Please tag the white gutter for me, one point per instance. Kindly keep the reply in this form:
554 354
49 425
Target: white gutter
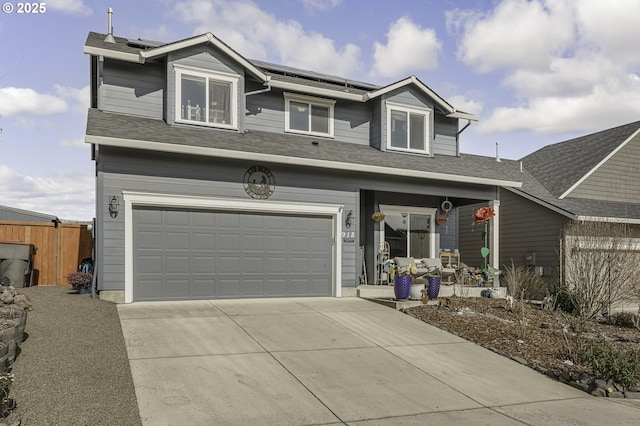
297 161
114 54
319 91
608 219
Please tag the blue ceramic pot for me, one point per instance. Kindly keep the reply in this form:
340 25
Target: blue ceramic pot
402 286
433 288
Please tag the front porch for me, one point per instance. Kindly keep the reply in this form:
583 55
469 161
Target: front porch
420 226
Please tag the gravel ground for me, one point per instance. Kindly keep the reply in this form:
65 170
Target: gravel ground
73 367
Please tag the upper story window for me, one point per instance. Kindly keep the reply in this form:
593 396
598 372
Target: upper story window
408 128
206 98
309 115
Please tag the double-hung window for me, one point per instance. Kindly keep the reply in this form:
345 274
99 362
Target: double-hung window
408 128
309 115
206 98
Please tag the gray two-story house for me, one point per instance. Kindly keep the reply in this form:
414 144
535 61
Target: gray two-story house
223 177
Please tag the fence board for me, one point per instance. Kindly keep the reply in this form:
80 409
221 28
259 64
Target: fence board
52 262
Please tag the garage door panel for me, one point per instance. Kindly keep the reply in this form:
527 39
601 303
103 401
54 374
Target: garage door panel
201 287
149 264
149 239
298 265
180 254
203 241
227 287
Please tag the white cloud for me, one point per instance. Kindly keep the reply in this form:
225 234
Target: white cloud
76 7
517 33
80 97
73 142
409 48
68 197
15 100
268 38
320 4
613 102
467 105
572 66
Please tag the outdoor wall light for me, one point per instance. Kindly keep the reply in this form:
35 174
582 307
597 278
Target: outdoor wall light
114 206
348 220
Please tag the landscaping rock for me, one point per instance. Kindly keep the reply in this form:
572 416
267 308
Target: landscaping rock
632 395
579 385
616 394
599 392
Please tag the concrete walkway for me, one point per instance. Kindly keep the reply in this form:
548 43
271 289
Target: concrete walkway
332 361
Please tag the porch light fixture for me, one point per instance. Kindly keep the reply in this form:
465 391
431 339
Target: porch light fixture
114 207
348 220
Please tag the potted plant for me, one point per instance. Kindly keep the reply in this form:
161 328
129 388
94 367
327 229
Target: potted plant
441 219
434 278
403 280
80 281
378 216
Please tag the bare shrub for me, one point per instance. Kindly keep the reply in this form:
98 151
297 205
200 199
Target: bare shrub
523 283
598 271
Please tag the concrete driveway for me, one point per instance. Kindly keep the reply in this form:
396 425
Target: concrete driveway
313 361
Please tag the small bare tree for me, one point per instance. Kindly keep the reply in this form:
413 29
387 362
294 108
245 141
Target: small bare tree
598 269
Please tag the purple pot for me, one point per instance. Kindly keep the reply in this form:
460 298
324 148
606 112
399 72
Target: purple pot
433 288
402 286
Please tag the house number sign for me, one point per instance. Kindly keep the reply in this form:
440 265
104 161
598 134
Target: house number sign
259 182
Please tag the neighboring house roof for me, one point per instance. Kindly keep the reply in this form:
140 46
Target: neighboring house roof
20 215
126 131
550 172
558 167
279 76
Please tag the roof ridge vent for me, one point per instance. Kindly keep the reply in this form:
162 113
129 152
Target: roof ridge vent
109 38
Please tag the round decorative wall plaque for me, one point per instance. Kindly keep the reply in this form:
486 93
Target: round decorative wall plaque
259 182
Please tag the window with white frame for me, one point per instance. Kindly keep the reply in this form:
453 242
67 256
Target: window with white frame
206 98
309 115
408 128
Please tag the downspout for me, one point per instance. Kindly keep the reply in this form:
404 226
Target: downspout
458 137
267 89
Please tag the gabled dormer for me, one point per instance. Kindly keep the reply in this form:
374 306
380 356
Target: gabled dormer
412 118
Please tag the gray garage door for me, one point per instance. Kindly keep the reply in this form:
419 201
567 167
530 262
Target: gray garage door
181 254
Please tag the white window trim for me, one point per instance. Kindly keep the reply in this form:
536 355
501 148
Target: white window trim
417 210
133 199
213 75
415 110
326 103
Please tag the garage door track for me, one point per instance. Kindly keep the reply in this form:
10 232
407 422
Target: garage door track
310 361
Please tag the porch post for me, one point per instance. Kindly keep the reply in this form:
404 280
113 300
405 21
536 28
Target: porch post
494 239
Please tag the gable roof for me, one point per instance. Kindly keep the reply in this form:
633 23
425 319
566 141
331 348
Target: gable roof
448 109
552 170
119 130
561 166
279 76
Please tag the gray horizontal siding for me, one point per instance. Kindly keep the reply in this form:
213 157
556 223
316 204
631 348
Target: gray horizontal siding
202 178
376 124
133 89
445 145
525 227
265 112
616 180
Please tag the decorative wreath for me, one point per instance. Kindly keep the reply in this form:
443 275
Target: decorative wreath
483 215
378 216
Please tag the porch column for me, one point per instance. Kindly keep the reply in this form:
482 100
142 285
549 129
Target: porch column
494 239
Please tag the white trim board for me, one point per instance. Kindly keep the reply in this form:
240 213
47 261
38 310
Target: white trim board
133 199
298 161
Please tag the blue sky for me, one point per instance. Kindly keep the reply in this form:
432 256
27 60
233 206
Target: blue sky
536 72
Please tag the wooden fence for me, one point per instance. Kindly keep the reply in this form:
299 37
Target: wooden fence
59 249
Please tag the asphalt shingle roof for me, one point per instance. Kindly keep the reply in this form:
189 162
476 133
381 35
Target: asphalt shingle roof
557 167
122 126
